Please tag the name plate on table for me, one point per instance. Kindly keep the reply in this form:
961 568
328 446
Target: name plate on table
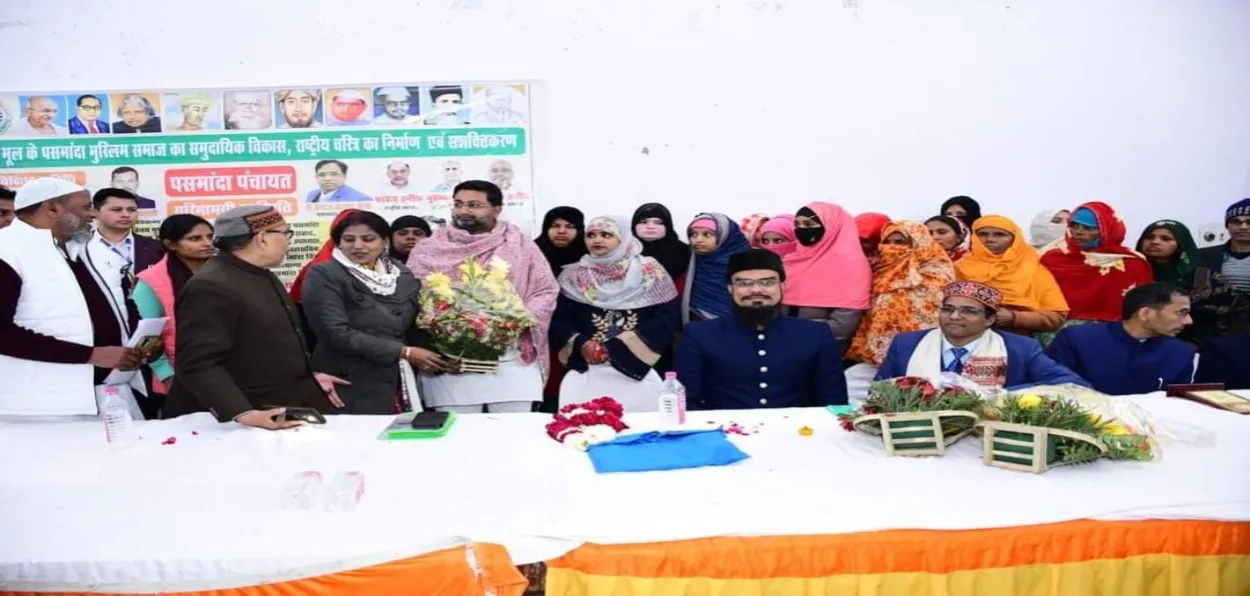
1213 395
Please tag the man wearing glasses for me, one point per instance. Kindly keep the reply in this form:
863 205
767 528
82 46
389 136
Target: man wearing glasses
241 355
966 345
759 358
87 120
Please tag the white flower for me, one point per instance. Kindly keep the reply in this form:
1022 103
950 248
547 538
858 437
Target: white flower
598 433
576 440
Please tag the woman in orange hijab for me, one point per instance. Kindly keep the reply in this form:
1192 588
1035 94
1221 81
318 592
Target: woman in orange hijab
906 289
1002 259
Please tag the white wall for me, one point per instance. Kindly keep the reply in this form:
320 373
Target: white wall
749 105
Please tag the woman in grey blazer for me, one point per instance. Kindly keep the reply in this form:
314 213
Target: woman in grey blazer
362 305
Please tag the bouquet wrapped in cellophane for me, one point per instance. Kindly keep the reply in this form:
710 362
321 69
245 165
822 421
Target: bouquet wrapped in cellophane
476 319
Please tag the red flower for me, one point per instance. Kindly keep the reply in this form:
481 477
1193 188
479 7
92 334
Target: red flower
871 410
847 423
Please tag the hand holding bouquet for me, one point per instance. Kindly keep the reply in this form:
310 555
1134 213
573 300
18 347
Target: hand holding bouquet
477 318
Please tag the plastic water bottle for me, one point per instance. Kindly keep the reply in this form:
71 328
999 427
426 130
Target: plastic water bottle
344 492
301 491
672 401
118 426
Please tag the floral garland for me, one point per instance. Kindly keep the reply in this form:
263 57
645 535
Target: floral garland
581 425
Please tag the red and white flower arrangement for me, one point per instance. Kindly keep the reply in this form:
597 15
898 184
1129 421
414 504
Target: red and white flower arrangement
581 425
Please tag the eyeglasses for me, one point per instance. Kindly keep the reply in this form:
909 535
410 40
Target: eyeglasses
474 205
768 282
289 233
964 311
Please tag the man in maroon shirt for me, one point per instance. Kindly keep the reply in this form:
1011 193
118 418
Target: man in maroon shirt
54 211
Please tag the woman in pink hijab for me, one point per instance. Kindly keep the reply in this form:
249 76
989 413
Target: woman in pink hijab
827 277
777 235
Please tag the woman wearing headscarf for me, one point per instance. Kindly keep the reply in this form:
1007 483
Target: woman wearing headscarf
618 311
828 277
406 232
1048 227
751 225
561 241
653 226
965 208
1174 257
325 253
1093 267
777 235
868 226
713 239
1001 259
906 290
952 234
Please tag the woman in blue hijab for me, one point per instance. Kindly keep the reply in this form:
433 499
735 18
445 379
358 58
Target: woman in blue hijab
714 237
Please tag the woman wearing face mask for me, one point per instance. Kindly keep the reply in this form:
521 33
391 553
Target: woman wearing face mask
714 238
406 232
828 278
868 226
618 311
188 241
653 226
777 235
1048 227
965 208
562 243
951 234
1001 259
906 290
1092 266
362 305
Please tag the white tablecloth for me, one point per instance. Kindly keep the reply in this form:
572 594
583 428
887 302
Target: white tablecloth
204 512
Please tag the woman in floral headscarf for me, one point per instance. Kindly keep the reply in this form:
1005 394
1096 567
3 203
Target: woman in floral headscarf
906 290
1093 267
618 311
751 225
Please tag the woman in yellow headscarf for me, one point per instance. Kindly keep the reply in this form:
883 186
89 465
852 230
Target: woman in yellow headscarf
1002 259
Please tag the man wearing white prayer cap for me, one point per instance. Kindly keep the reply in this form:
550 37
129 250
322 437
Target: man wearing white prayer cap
396 103
60 333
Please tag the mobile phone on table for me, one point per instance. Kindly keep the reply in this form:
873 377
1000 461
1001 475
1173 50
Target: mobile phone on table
429 420
305 415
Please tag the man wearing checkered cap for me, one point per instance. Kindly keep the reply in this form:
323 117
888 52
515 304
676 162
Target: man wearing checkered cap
966 344
241 355
61 334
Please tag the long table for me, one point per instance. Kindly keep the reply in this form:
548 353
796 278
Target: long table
827 513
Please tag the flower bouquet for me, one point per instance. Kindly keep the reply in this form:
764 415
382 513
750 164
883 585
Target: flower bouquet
914 417
581 425
475 320
1034 431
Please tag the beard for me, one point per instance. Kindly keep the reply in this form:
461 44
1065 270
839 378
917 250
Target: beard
77 229
470 224
757 315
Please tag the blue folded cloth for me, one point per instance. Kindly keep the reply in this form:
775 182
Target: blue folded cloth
673 450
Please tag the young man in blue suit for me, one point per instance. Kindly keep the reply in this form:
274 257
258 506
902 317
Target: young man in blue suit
759 358
965 344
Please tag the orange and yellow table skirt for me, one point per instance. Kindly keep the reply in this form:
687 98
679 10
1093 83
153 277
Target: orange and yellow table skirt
1080 558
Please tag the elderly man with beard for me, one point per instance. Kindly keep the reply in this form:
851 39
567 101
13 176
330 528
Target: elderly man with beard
60 332
759 358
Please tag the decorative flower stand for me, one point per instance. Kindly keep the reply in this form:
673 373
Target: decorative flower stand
1026 448
914 434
